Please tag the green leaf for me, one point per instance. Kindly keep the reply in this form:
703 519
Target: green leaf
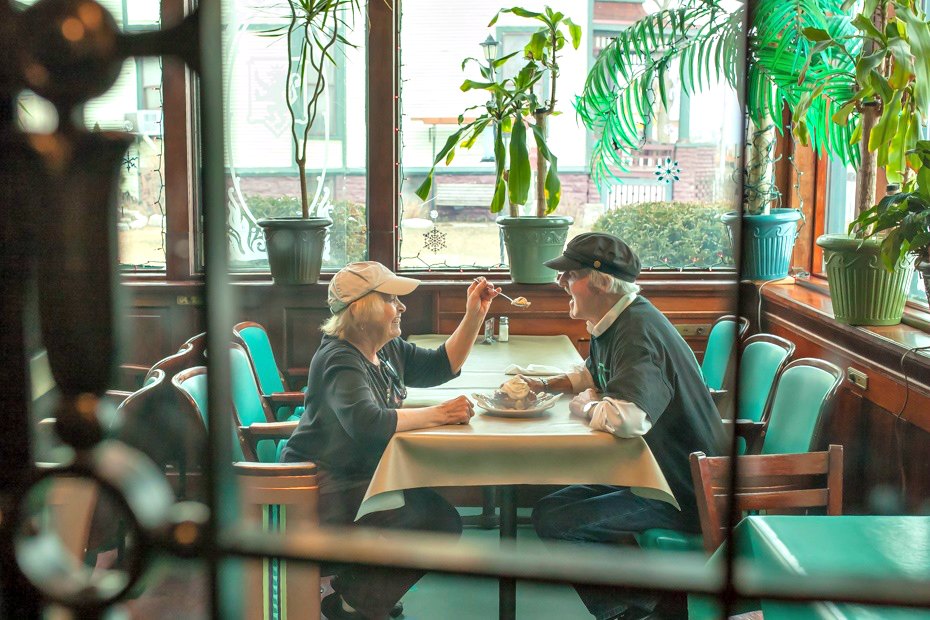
553 186
534 49
841 116
885 128
500 194
575 31
423 190
816 34
866 64
520 173
468 85
865 25
918 32
500 62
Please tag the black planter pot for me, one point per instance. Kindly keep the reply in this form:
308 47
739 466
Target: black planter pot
295 248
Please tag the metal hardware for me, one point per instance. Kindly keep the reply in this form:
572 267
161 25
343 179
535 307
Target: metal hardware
691 330
857 377
489 332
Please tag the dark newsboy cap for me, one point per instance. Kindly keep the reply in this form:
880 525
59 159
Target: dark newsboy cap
599 251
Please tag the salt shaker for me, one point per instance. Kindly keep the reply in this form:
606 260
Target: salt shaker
503 329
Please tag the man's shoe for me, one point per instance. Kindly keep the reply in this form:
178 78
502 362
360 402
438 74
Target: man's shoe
332 608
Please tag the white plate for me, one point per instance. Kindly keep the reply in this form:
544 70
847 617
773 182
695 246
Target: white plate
544 401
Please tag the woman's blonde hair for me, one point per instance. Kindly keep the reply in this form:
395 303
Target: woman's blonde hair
354 316
611 285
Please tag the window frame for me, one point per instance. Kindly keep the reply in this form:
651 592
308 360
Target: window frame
184 257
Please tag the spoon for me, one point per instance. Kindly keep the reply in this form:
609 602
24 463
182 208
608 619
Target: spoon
519 302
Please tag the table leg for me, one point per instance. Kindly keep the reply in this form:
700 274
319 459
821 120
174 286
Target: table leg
507 588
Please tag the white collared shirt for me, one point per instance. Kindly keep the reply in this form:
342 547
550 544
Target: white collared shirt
613 415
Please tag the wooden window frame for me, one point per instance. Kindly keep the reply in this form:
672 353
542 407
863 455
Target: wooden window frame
181 169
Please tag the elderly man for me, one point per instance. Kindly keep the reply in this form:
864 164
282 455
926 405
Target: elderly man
641 379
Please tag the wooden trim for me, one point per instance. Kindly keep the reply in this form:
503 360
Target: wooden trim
819 215
179 147
383 123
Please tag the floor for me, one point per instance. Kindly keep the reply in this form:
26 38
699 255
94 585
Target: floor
441 597
177 590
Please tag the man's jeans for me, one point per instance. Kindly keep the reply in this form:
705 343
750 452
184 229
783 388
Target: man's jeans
605 514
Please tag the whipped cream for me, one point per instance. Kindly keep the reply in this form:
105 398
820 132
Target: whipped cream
516 388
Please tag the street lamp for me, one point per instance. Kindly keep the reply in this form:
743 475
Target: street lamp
490 49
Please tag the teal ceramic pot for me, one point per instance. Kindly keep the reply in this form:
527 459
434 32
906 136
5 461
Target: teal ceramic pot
295 248
768 242
530 242
863 292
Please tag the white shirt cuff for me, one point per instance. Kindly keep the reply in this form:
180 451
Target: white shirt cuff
619 417
581 378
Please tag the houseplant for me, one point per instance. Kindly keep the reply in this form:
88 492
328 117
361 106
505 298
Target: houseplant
903 220
703 41
891 99
314 28
514 109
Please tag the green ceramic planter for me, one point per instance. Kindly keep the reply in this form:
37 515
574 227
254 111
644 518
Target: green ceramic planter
768 242
295 248
862 291
530 242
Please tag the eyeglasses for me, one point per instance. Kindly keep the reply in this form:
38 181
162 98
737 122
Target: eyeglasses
397 387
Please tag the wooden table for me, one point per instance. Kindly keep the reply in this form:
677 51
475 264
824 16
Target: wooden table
552 448
883 547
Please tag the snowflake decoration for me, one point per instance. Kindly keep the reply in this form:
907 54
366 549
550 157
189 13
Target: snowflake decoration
668 171
434 240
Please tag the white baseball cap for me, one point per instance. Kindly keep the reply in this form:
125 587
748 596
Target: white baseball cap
356 280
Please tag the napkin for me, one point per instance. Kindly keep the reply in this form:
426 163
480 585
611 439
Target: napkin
533 370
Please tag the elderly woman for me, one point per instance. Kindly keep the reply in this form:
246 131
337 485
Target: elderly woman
355 405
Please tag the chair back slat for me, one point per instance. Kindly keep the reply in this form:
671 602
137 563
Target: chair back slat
763 357
804 396
782 483
254 339
793 499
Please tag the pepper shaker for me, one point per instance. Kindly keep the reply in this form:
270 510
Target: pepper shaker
488 331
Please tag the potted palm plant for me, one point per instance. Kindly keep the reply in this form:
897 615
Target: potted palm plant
313 33
890 102
703 41
512 112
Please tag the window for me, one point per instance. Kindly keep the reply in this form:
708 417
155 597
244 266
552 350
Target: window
263 178
454 229
133 104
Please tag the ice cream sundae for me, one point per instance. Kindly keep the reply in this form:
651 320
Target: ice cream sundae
515 394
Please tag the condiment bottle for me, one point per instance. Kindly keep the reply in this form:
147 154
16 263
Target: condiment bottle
503 329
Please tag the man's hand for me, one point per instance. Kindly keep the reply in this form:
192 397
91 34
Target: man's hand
480 294
536 385
577 404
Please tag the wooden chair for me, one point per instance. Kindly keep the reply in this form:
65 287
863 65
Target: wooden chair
781 483
265 487
252 337
803 400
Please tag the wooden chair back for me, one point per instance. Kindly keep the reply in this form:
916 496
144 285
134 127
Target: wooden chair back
284 496
780 483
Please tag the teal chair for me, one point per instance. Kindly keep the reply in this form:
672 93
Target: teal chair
762 358
287 404
803 399
270 493
721 350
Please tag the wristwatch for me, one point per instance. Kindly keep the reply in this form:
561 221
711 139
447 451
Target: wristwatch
545 384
